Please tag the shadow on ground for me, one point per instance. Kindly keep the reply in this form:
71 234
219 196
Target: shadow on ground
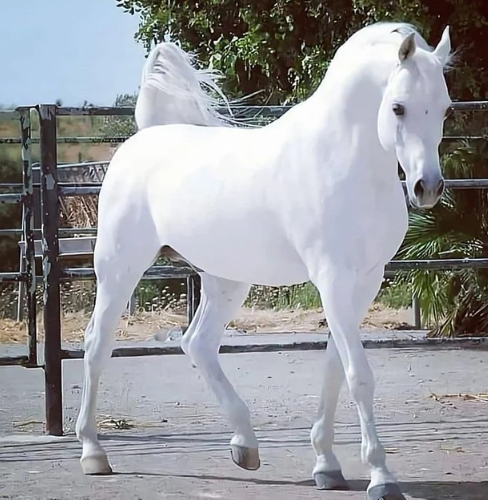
422 490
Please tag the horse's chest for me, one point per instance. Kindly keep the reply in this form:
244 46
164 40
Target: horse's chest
385 228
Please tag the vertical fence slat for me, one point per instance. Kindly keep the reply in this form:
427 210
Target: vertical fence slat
417 313
193 284
51 270
29 264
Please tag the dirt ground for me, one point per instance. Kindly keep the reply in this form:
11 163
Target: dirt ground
174 443
144 326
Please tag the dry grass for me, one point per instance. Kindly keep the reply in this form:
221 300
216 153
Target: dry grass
145 325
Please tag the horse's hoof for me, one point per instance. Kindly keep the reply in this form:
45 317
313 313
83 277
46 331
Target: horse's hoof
389 491
330 480
247 458
96 466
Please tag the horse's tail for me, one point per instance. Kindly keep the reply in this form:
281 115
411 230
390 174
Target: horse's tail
173 90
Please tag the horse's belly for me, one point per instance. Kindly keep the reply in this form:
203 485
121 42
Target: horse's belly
251 251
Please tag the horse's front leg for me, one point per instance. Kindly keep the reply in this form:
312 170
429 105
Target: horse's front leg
343 291
327 471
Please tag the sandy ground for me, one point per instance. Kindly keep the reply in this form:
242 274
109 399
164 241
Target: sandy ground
175 443
145 326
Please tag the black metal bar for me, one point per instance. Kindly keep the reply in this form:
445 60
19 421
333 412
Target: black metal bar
189 299
474 183
448 343
76 230
61 230
68 140
10 140
193 284
466 183
51 271
455 138
436 264
11 197
14 360
170 272
12 277
196 282
63 185
470 105
91 140
156 272
94 188
11 232
79 191
95 111
417 313
236 110
28 226
121 139
271 110
129 111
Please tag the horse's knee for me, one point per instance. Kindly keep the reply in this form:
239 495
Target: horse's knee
361 384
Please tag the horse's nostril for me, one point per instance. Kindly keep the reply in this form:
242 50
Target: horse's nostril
418 189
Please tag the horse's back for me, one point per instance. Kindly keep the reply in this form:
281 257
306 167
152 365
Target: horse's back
208 197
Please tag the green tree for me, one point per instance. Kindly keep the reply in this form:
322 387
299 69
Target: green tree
468 23
282 48
278 47
120 126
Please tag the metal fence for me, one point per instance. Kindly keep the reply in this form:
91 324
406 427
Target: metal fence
51 191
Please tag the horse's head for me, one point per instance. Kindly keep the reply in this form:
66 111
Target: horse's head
412 114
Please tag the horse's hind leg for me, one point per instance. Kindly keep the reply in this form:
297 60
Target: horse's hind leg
219 302
118 272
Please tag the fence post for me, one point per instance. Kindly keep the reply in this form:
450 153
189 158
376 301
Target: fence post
29 264
417 318
193 287
51 270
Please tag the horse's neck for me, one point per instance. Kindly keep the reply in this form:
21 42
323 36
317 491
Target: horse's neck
344 110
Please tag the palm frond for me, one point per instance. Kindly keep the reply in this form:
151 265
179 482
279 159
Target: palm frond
452 302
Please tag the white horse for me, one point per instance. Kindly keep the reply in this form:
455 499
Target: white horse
313 196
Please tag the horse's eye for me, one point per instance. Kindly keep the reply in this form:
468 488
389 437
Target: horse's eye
398 109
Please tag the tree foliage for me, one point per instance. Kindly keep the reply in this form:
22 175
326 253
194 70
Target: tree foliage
10 214
120 126
281 48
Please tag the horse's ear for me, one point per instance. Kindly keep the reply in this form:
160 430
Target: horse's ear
443 49
407 48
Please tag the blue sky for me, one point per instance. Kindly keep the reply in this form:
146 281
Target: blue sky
68 49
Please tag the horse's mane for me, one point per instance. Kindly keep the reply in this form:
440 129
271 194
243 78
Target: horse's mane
387 33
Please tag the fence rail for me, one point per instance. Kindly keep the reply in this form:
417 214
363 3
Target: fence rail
52 190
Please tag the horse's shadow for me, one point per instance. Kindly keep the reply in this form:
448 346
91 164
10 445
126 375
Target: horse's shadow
422 490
